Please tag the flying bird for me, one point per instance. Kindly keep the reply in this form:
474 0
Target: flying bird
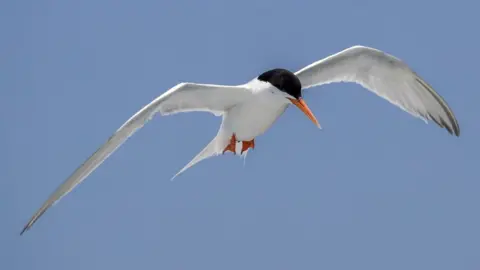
250 109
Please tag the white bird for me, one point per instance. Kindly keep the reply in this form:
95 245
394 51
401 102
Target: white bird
248 110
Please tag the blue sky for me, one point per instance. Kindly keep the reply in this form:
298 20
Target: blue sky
375 189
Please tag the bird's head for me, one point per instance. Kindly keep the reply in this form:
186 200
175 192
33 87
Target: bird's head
290 87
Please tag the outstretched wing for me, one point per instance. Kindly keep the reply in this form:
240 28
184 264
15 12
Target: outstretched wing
184 97
386 76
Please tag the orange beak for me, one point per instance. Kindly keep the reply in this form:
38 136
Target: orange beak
300 103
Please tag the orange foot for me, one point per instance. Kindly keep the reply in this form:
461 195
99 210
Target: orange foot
231 146
245 145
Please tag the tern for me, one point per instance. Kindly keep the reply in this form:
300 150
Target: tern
250 109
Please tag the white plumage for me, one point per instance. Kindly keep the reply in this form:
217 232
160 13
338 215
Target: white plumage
384 75
248 110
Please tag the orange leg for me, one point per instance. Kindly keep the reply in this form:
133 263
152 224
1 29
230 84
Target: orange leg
231 145
248 144
245 145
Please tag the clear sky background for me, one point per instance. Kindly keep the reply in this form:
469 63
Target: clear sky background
375 189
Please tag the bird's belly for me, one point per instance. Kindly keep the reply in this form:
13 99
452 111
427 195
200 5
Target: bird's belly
252 119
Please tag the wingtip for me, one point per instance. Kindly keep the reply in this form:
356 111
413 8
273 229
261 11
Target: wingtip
34 219
454 132
457 133
26 228
456 129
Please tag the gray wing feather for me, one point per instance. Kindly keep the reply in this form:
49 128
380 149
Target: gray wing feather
184 97
387 77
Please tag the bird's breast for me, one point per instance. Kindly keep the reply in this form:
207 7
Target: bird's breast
251 119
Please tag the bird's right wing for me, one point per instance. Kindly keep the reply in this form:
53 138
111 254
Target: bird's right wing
385 76
184 97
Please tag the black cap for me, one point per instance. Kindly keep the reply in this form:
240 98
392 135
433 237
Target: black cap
283 80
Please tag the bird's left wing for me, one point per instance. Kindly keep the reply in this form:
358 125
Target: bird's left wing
387 77
184 97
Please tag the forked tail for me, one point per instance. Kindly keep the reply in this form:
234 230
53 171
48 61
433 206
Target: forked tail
214 148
